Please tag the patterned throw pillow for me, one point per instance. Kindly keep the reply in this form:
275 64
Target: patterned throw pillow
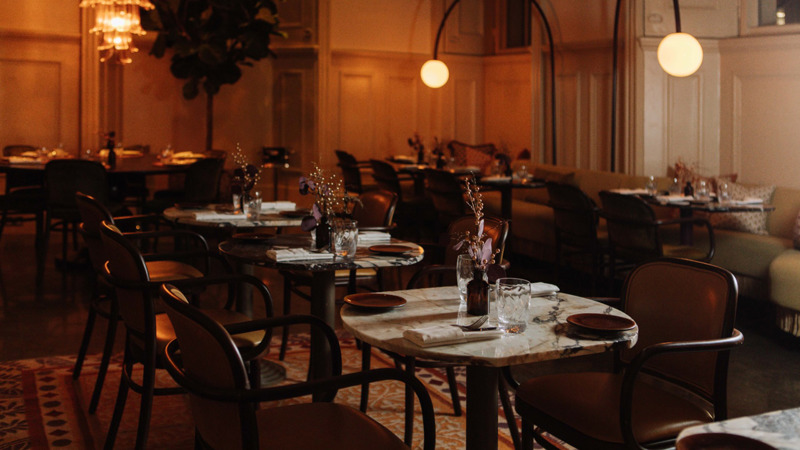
751 222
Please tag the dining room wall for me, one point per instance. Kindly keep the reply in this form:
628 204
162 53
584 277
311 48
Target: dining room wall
40 45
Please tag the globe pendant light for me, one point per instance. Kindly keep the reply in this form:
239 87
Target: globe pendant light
679 54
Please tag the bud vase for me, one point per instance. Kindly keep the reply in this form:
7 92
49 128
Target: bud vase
323 233
478 294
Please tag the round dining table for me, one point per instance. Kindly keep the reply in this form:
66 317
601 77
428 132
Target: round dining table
548 336
247 253
142 163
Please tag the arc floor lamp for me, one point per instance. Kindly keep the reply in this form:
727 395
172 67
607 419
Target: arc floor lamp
679 54
434 72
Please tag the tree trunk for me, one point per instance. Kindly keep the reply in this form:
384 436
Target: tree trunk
209 122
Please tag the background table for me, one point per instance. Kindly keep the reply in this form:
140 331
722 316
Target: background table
780 429
323 286
186 216
547 337
506 185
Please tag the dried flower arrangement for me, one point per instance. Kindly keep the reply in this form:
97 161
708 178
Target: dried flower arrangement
478 244
245 176
331 198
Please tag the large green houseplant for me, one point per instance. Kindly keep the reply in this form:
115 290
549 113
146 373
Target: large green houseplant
210 41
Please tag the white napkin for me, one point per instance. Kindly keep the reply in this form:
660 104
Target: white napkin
297 254
542 289
672 198
446 334
373 236
278 206
630 191
212 216
188 155
748 201
21 160
497 178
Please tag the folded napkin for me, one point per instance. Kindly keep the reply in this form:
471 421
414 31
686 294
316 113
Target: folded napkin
542 289
214 216
748 201
446 335
631 191
297 254
21 160
278 206
373 236
30 154
672 198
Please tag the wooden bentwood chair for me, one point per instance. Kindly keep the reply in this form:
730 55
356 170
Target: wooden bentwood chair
351 171
674 377
225 408
147 332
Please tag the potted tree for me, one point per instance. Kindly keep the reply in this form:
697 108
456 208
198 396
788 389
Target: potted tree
210 41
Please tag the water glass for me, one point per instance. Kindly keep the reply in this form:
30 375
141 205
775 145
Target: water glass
252 206
702 191
345 238
237 201
723 194
513 304
166 154
464 268
651 186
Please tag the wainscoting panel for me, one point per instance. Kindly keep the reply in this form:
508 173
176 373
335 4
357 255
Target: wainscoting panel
569 112
356 113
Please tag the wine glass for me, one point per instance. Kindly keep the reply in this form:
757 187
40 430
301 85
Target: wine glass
464 268
651 186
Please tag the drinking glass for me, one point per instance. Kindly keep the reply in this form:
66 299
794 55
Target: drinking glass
464 268
651 186
345 238
702 191
166 154
723 194
237 201
513 304
252 206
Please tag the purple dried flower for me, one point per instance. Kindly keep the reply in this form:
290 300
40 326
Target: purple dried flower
316 212
308 223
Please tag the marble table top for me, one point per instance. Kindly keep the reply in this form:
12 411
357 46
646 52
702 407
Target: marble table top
548 335
780 429
267 218
256 253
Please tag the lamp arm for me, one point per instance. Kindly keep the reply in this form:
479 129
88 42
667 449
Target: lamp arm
552 75
614 72
441 27
677 16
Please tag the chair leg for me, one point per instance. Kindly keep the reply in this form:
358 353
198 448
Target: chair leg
287 309
527 435
87 336
502 390
119 407
108 349
148 391
366 361
451 381
409 430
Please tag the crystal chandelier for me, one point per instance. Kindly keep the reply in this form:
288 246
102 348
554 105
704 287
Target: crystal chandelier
117 21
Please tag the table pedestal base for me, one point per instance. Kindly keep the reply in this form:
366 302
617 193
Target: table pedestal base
482 407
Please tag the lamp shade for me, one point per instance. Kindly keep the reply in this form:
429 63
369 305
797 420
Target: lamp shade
680 54
434 73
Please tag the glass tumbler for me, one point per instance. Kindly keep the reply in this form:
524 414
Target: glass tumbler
513 300
345 238
464 268
252 206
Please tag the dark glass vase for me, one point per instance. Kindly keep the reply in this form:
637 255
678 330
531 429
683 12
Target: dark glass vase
323 233
478 294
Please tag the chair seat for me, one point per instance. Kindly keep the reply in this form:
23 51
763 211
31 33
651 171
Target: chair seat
335 426
171 270
586 401
684 251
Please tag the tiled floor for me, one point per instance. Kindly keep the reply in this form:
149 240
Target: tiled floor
50 320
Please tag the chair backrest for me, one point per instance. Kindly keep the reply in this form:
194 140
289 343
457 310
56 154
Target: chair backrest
65 177
93 214
447 193
575 215
632 228
675 300
127 272
385 176
16 179
494 227
351 172
203 179
480 155
376 209
209 357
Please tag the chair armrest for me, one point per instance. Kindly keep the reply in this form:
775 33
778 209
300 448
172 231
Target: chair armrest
232 280
154 219
636 366
306 388
198 238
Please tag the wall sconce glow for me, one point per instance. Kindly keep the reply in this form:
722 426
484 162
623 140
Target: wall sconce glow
680 54
434 73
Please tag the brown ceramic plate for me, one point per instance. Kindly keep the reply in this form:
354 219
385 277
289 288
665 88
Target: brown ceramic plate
720 441
390 249
374 300
253 237
601 322
295 213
